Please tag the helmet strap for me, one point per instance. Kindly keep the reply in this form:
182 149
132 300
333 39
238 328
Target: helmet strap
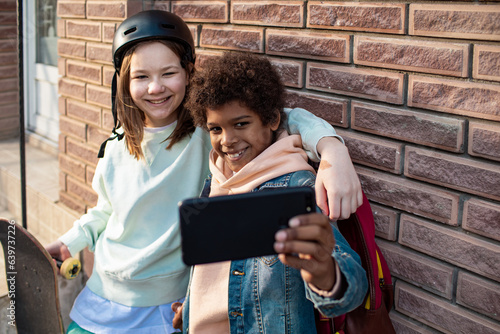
115 118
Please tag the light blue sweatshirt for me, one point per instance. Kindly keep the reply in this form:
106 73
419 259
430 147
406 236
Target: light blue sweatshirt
133 230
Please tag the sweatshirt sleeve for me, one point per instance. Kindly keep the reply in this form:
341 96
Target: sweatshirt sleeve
311 128
86 230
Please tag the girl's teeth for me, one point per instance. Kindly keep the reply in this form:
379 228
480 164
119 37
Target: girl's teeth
158 102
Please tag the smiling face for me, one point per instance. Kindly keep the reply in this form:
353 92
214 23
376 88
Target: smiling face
237 134
157 83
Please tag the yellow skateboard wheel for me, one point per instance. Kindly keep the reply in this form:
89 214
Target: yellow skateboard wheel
70 268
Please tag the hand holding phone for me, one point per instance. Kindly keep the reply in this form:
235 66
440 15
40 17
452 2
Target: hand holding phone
239 226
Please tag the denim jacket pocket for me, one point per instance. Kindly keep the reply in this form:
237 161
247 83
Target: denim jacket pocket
269 260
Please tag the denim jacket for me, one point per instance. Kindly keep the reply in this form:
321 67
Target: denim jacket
266 296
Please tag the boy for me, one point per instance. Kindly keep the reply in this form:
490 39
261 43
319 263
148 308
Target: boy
240 102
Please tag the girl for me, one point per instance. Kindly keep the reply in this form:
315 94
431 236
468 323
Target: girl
257 295
157 159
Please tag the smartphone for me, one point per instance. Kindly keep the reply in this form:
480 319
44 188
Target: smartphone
240 226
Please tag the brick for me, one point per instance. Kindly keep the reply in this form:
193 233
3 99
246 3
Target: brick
87 30
333 110
61 66
484 140
404 326
8 97
72 88
8 18
419 56
8 5
112 10
482 217
61 28
107 75
62 105
81 190
371 84
71 202
454 172
479 295
100 53
84 71
84 112
417 127
8 45
373 152
8 32
9 84
96 136
268 13
454 97
438 313
194 31
108 32
308 45
9 111
72 167
232 38
413 197
486 62
385 222
89 172
452 246
99 95
202 11
9 71
384 18
160 5
107 119
202 56
81 151
290 72
424 272
71 9
71 48
458 21
73 128
8 58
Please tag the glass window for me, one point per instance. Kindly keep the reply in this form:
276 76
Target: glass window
46 37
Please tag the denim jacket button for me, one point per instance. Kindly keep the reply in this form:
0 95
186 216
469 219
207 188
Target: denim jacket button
238 273
236 314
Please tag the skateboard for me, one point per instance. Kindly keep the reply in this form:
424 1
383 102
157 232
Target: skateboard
32 281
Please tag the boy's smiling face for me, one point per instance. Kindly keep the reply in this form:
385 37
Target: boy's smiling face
237 134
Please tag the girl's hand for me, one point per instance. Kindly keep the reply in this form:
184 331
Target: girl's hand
308 245
58 250
338 190
177 309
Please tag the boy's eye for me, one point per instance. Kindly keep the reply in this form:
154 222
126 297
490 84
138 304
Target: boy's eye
241 124
214 129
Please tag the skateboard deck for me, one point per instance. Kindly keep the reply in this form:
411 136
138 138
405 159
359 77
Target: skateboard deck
31 282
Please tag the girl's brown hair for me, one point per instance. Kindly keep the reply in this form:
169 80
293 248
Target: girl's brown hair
132 119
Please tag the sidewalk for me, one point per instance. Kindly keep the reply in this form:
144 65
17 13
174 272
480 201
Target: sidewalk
46 218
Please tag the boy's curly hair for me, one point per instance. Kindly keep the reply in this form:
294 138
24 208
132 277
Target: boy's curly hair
244 77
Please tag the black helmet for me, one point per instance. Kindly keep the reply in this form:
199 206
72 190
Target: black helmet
150 25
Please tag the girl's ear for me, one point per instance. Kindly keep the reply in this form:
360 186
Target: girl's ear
276 124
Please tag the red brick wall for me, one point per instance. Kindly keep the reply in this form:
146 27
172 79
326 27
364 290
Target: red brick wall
9 83
412 86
